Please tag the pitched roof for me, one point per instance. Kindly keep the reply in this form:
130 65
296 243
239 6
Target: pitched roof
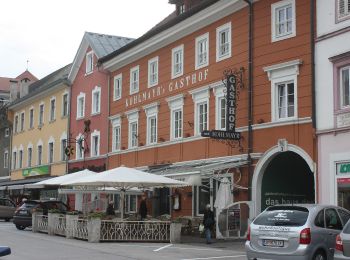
103 44
162 26
5 82
45 83
27 75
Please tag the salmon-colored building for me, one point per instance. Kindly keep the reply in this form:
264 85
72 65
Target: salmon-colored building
166 87
89 107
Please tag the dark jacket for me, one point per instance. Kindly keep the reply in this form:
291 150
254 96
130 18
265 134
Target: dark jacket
143 209
208 220
110 210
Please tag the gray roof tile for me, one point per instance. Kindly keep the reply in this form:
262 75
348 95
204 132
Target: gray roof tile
104 44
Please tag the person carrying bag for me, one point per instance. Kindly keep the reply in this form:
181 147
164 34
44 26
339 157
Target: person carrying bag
208 222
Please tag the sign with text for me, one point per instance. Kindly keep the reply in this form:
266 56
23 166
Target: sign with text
231 103
41 170
219 134
343 168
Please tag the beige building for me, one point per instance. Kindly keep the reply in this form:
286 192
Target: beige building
40 127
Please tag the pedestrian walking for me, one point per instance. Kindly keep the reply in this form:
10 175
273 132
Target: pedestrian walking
143 208
208 222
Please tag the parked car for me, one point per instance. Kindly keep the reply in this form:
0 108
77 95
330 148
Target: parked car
23 215
7 209
342 244
5 250
298 232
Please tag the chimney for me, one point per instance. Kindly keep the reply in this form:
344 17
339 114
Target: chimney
14 91
24 87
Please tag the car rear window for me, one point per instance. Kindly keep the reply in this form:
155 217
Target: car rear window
283 216
29 204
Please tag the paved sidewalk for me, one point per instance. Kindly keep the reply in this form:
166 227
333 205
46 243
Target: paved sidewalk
231 244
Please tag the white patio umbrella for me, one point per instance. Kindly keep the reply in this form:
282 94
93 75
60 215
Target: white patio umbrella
125 178
60 180
223 198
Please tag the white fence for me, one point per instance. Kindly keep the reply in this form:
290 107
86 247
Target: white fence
156 231
96 230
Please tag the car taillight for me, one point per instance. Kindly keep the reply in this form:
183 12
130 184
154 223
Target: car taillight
339 243
305 236
248 234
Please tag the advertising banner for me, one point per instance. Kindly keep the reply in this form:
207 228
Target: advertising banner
36 171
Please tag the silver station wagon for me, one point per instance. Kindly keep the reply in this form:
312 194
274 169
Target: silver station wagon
342 244
296 232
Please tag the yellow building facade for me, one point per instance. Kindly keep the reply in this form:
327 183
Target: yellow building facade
40 128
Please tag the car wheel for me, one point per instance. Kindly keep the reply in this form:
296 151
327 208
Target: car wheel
19 227
7 219
319 255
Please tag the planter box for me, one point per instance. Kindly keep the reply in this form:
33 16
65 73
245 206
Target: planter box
175 232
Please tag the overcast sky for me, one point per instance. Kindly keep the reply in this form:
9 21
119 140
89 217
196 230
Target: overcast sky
48 32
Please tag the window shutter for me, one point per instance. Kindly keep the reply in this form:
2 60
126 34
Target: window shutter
341 7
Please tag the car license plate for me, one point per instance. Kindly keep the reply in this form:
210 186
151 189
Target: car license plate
273 243
23 212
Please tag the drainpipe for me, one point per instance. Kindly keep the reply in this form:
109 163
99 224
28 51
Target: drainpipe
68 123
312 42
313 88
250 98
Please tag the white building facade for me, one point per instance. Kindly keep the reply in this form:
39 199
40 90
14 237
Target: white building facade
332 71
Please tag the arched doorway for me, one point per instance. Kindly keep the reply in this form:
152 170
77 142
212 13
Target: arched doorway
283 177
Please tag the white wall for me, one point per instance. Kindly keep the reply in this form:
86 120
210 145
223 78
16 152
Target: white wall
326 20
324 49
324 77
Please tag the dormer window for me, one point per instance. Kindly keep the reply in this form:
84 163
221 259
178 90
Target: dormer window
89 62
181 8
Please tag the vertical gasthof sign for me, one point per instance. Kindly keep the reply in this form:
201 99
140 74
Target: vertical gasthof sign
231 103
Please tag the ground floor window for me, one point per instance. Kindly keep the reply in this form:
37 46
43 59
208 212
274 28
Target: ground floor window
206 193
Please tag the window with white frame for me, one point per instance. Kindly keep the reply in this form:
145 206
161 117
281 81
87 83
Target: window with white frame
63 149
89 62
283 20
40 154
116 140
202 51
41 115
220 107
117 88
7 132
343 9
176 116
133 117
152 119
177 61
344 87
223 42
50 152
6 159
65 105
202 116
95 144
285 99
96 100
283 79
14 159
16 123
81 105
31 118
22 121
29 156
20 159
52 109
134 79
201 113
130 203
153 72
79 149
